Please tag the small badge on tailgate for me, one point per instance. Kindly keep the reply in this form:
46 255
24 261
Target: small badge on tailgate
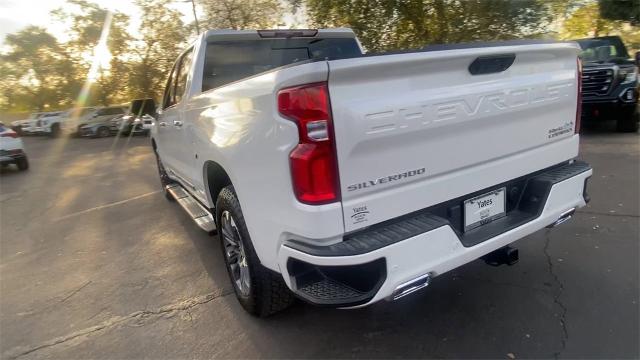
565 128
360 214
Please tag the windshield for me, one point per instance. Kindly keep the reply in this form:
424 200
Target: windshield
602 49
85 111
79 112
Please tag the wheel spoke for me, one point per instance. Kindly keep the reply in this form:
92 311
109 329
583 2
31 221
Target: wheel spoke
228 238
235 270
235 254
244 278
233 257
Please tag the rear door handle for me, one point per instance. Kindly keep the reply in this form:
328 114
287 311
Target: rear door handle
177 123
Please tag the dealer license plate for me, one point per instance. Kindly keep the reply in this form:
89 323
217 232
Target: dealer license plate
484 208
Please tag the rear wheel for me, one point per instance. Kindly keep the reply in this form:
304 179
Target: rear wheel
260 291
23 163
126 131
103 132
55 130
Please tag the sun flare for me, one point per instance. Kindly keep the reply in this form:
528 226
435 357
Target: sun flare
101 57
100 61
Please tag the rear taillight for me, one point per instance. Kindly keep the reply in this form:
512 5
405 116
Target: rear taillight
314 170
11 134
579 100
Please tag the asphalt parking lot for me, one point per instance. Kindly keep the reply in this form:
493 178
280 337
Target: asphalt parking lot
96 263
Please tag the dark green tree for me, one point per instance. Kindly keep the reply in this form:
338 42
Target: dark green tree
401 24
587 21
625 10
241 14
35 71
163 37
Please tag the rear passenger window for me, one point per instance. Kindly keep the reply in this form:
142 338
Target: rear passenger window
177 83
183 72
169 91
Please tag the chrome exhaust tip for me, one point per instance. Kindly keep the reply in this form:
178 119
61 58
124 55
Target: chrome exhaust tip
411 286
563 217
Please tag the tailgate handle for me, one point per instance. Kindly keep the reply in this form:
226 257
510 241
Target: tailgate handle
491 64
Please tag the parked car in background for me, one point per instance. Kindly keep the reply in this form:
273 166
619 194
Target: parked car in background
345 179
20 125
17 125
46 123
133 125
609 82
139 119
12 149
76 117
100 123
97 122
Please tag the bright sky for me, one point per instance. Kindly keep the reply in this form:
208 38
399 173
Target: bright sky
17 14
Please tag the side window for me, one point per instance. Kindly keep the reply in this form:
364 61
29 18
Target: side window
169 91
183 72
110 111
114 111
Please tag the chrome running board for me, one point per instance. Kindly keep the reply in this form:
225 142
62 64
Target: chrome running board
202 216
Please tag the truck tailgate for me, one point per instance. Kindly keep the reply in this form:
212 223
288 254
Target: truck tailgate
416 129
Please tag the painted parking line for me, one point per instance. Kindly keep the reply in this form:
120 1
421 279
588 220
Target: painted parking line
82 212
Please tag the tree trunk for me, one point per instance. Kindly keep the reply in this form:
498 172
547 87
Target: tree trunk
441 19
195 16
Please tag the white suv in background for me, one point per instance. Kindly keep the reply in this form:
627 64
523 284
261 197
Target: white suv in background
12 149
47 123
19 126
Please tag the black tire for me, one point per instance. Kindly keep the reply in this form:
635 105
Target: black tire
23 163
267 293
627 122
103 131
164 178
55 130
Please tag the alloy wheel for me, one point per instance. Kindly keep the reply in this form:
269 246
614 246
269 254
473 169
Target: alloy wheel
235 254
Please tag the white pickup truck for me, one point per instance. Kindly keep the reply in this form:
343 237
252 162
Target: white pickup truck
343 179
46 123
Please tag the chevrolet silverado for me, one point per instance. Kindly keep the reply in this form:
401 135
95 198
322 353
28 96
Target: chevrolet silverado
343 178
